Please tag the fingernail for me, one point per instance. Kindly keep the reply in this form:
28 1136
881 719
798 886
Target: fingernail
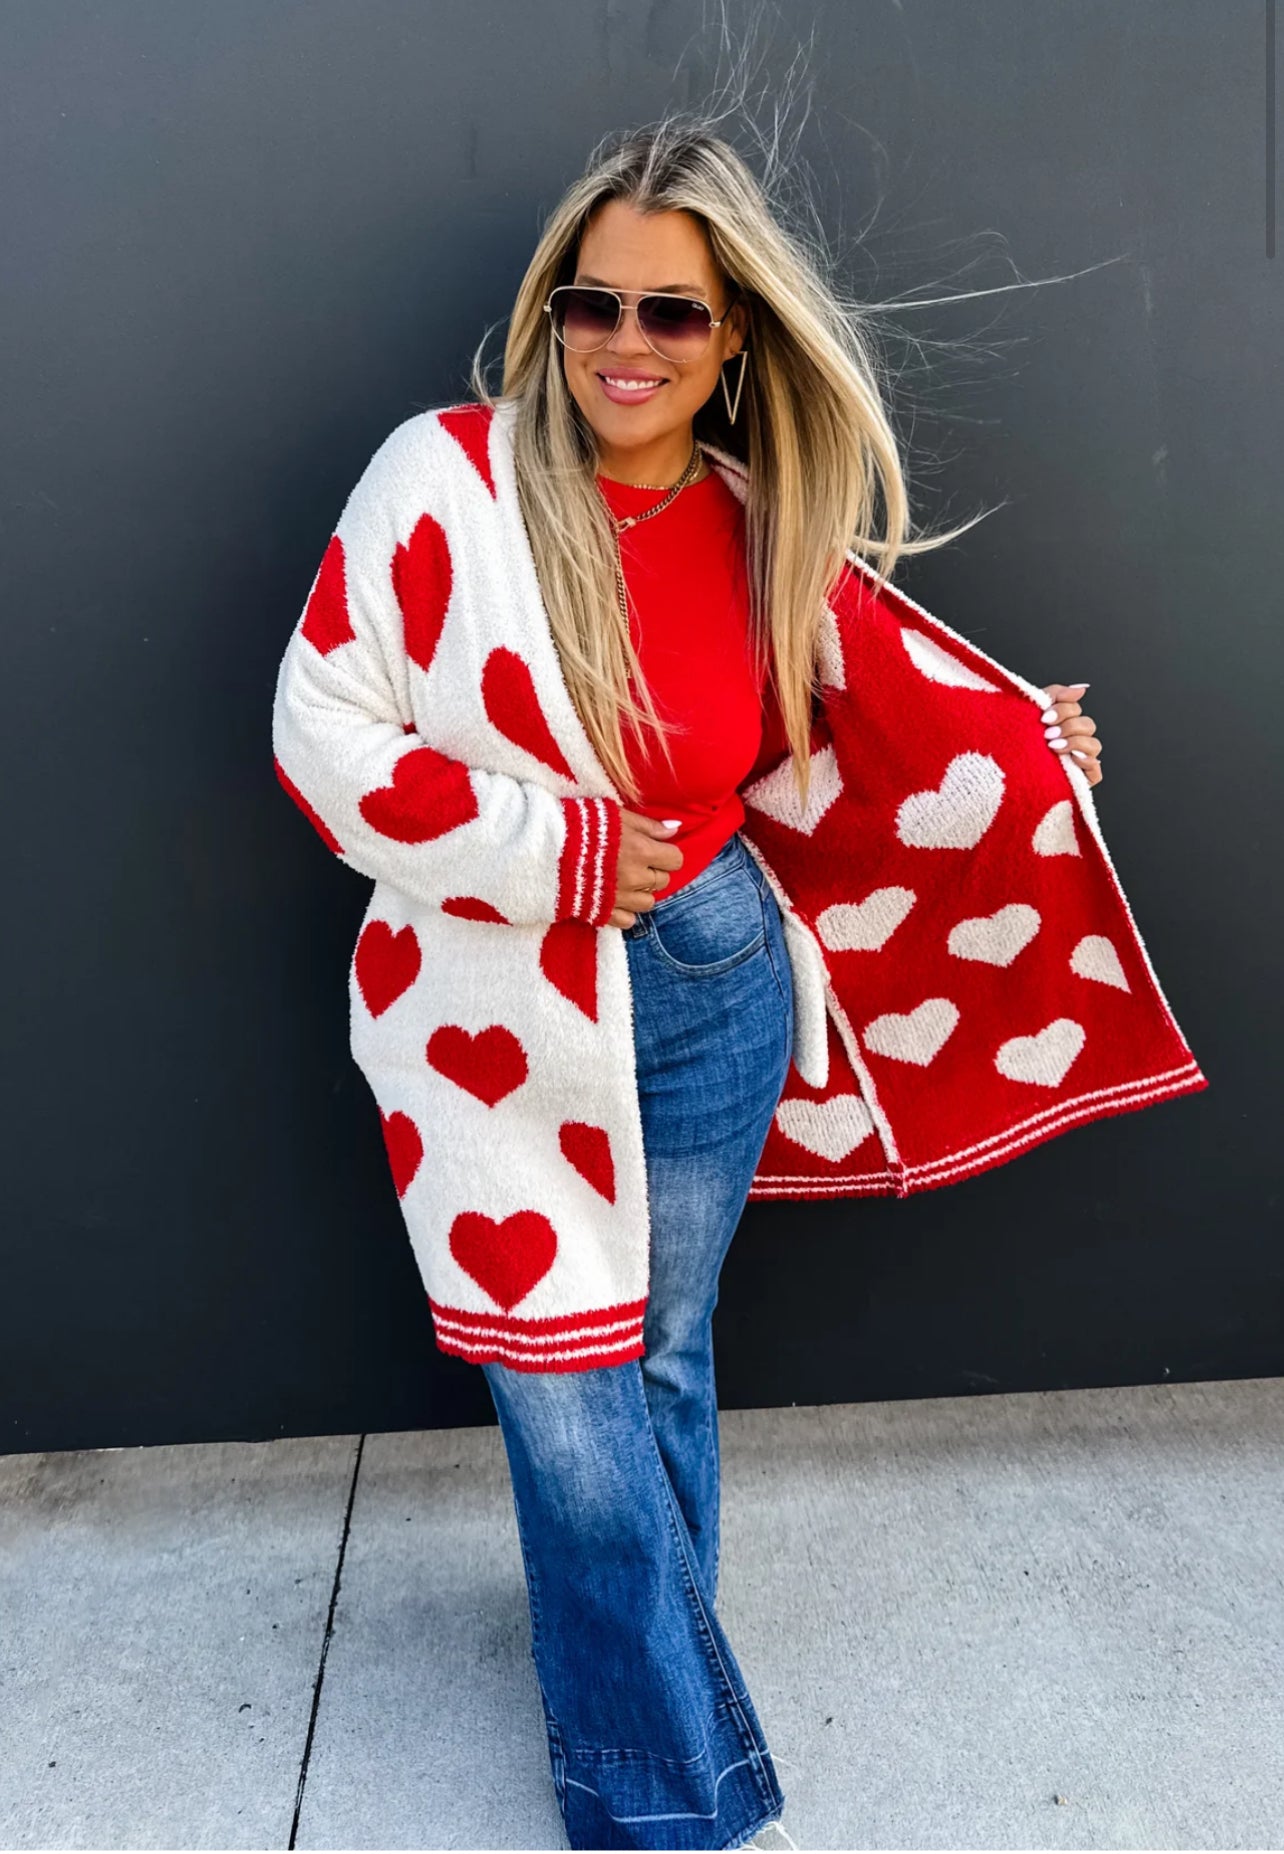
1078 685
1059 746
670 823
1053 733
1049 714
1079 756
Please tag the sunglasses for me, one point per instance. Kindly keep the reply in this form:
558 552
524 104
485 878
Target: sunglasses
677 328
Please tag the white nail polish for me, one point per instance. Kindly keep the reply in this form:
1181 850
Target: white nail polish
1049 714
670 823
1078 685
1059 746
1079 756
1053 733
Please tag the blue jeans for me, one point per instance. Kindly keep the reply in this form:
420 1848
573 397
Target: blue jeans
653 1739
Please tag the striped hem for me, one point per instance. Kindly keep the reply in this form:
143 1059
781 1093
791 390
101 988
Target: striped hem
589 860
997 1150
806 1184
562 1342
1032 1132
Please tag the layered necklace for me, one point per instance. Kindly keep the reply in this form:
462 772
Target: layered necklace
620 523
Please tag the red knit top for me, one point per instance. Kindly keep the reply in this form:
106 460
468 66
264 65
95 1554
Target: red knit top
689 621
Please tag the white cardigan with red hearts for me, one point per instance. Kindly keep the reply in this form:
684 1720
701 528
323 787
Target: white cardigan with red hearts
968 978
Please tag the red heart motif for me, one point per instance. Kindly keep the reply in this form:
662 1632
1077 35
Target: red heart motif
405 1148
473 908
422 577
387 964
568 960
589 1150
469 426
326 623
510 701
430 794
489 1063
505 1258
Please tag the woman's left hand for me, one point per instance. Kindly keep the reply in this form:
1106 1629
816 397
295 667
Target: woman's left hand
1068 730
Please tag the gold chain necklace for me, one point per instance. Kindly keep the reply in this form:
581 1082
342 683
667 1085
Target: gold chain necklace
620 523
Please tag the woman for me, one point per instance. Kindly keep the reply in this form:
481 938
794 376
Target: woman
666 317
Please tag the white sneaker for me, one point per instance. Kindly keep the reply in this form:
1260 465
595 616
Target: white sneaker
764 1837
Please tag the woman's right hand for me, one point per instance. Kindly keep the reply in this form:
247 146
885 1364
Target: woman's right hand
645 855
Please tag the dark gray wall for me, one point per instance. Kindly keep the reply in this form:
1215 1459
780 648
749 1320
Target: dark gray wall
243 242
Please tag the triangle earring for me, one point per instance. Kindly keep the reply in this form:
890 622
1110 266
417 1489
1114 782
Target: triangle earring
733 408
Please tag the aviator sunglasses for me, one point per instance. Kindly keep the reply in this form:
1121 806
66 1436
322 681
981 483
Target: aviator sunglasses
677 328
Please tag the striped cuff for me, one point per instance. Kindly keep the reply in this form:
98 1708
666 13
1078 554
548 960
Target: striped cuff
589 863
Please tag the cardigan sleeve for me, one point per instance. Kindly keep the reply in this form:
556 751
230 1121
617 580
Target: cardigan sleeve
481 843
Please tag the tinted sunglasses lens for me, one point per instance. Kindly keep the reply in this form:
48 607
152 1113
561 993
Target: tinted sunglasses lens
584 319
676 326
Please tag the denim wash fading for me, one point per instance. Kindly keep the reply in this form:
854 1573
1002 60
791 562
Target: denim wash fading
653 1739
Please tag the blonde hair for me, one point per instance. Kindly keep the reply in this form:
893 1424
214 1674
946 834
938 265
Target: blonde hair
825 472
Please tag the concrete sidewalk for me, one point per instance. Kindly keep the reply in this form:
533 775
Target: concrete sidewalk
1034 1621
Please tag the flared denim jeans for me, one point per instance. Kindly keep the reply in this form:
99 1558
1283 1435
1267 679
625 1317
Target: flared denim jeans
652 1736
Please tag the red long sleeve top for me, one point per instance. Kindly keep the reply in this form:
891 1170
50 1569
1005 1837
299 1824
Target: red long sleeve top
689 621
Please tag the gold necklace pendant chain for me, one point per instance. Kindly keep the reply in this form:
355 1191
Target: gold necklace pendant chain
622 522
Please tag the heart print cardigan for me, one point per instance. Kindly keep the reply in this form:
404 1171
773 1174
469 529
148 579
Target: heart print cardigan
967 976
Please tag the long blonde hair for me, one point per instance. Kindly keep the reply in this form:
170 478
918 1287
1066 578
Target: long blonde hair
825 473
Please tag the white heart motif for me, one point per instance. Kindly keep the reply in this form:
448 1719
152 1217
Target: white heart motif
864 926
913 1036
1095 958
1043 1058
939 666
831 1129
957 815
776 793
995 938
1054 833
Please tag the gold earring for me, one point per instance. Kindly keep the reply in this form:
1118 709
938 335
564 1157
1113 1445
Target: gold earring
732 409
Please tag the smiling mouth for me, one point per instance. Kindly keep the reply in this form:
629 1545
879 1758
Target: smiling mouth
632 383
